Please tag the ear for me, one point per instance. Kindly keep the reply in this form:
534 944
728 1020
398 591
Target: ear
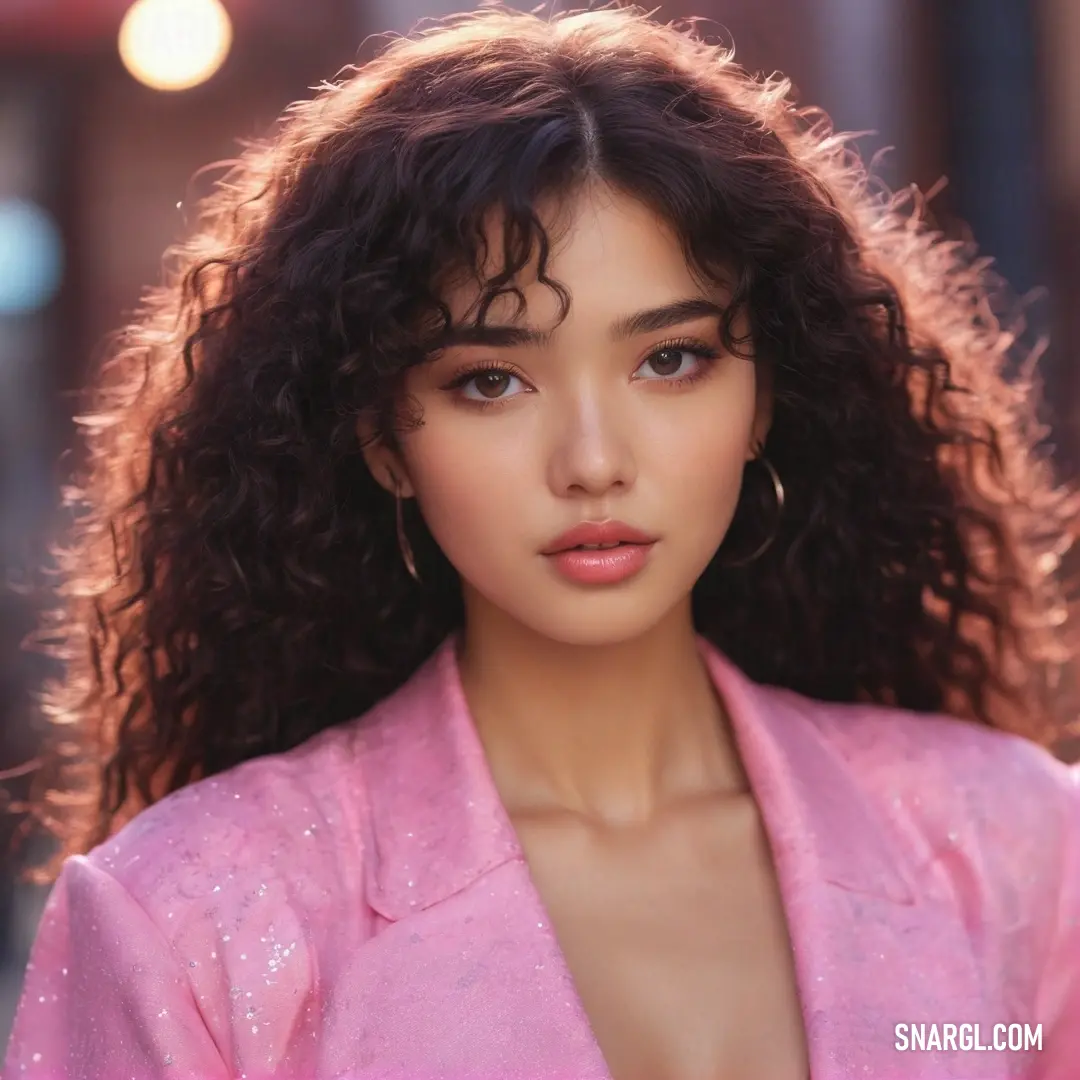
385 465
763 414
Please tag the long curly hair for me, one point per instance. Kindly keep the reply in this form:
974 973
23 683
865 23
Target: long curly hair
233 584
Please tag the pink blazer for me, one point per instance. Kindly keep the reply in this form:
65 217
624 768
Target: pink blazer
359 907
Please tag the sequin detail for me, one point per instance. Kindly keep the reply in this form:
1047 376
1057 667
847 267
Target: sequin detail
359 906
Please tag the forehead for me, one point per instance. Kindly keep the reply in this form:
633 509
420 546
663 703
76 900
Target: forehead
611 252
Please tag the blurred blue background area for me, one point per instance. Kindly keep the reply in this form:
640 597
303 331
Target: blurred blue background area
105 121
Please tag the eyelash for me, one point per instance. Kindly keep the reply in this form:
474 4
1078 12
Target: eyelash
695 347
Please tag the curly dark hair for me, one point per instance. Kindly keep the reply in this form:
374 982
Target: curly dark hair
233 585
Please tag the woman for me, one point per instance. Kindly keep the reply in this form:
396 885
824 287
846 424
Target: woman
444 784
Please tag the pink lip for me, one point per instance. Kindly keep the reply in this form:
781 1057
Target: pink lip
603 532
607 566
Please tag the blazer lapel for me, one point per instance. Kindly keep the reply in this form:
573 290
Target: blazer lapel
876 941
467 963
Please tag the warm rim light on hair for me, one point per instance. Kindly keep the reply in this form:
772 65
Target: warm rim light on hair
174 44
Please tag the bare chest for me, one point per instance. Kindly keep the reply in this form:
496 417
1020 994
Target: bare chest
677 943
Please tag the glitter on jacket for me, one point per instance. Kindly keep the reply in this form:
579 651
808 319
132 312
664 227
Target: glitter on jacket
359 907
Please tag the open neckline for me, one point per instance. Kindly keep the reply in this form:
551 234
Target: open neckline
740 713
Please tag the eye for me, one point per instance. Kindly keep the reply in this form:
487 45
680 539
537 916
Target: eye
676 362
491 384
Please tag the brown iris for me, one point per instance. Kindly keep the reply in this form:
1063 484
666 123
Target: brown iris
666 361
492 383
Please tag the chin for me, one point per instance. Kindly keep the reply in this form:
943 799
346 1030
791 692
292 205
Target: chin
595 620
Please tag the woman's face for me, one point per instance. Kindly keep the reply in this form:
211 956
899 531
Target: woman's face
523 439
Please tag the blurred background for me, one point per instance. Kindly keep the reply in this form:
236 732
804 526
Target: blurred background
108 109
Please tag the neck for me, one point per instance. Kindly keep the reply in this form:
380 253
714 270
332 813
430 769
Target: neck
615 733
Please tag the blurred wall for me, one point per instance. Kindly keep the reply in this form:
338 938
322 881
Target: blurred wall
1059 83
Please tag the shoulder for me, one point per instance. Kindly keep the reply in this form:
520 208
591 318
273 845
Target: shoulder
293 817
245 883
957 764
980 807
295 826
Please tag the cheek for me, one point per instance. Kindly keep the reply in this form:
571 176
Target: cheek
697 455
700 456
466 475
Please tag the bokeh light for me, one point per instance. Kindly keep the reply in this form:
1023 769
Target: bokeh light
175 44
31 257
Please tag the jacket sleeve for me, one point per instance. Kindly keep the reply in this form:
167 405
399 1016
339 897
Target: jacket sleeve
1060 992
104 995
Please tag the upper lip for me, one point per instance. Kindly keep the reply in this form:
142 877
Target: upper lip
598 532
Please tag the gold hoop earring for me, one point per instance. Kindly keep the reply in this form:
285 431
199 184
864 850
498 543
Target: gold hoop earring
403 541
778 492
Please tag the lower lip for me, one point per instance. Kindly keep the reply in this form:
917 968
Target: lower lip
606 567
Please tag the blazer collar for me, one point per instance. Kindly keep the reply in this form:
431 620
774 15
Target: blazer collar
822 822
437 823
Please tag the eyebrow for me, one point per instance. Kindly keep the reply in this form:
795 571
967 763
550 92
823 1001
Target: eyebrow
627 326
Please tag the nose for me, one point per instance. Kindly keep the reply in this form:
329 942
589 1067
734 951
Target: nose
592 449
